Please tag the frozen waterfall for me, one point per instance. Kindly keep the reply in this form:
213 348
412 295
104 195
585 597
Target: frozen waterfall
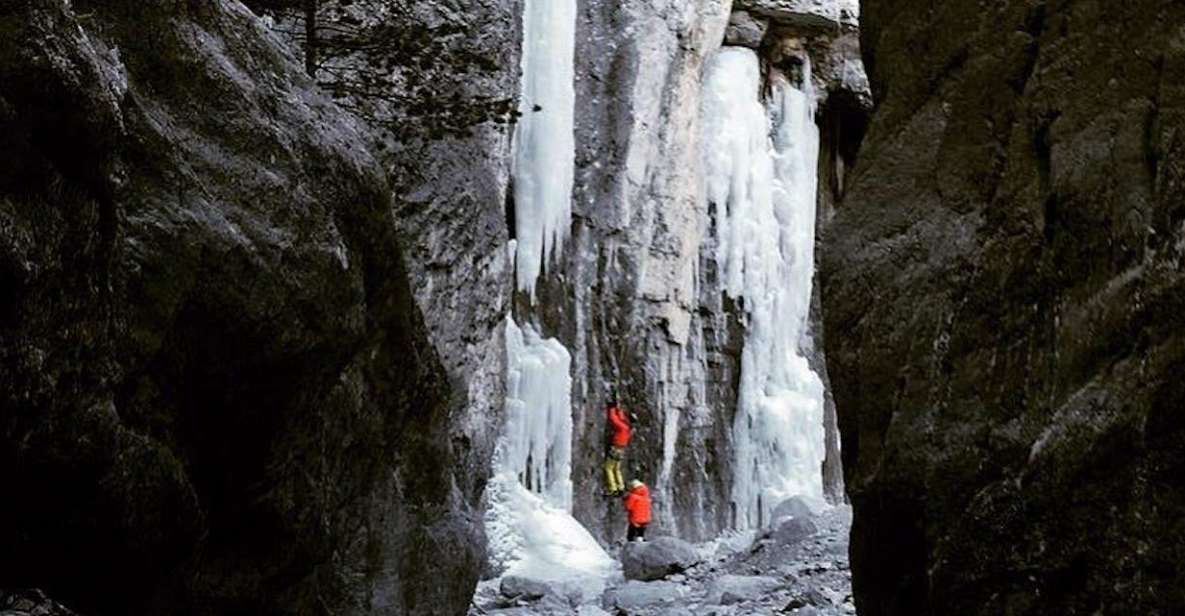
528 521
760 162
544 139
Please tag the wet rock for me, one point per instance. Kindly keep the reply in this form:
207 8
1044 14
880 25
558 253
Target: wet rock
654 560
636 595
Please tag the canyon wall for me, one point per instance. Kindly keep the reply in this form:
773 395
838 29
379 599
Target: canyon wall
637 296
1002 292
218 392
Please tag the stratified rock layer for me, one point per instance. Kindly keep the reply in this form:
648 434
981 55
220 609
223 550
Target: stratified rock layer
218 395
1003 295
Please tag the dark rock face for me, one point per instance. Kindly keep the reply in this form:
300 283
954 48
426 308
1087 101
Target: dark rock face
215 378
1003 294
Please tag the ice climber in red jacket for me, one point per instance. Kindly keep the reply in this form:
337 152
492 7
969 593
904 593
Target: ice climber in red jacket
619 437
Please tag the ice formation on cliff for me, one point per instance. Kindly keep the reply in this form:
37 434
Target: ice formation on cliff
544 137
760 163
529 523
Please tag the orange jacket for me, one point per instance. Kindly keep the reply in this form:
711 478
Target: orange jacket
620 426
637 504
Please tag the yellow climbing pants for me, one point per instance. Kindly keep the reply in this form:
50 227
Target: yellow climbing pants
613 479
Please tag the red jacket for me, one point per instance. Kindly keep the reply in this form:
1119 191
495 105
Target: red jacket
620 426
637 504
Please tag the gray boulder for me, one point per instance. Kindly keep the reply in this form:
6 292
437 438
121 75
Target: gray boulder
634 595
654 560
730 589
744 30
816 597
520 588
805 13
792 531
794 507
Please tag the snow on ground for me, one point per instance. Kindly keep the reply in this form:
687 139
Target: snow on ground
542 541
749 573
529 525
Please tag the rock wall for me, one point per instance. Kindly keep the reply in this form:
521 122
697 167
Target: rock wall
627 293
1003 291
219 395
636 297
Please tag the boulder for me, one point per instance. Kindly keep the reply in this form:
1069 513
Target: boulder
744 30
654 560
792 531
635 595
806 13
730 589
793 507
521 588
30 603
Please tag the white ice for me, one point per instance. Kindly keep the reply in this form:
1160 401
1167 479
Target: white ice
544 138
529 519
760 162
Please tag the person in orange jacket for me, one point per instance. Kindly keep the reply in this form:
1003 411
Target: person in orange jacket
619 438
637 505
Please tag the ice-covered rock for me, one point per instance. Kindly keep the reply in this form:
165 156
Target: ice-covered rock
654 560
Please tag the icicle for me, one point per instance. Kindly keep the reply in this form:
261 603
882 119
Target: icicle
761 175
544 139
528 520
537 443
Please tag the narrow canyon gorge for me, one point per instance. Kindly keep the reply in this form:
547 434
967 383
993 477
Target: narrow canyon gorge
317 306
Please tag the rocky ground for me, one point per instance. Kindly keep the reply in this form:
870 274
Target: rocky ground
30 603
800 566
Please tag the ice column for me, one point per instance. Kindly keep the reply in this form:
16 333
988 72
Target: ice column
528 521
760 164
536 446
544 141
